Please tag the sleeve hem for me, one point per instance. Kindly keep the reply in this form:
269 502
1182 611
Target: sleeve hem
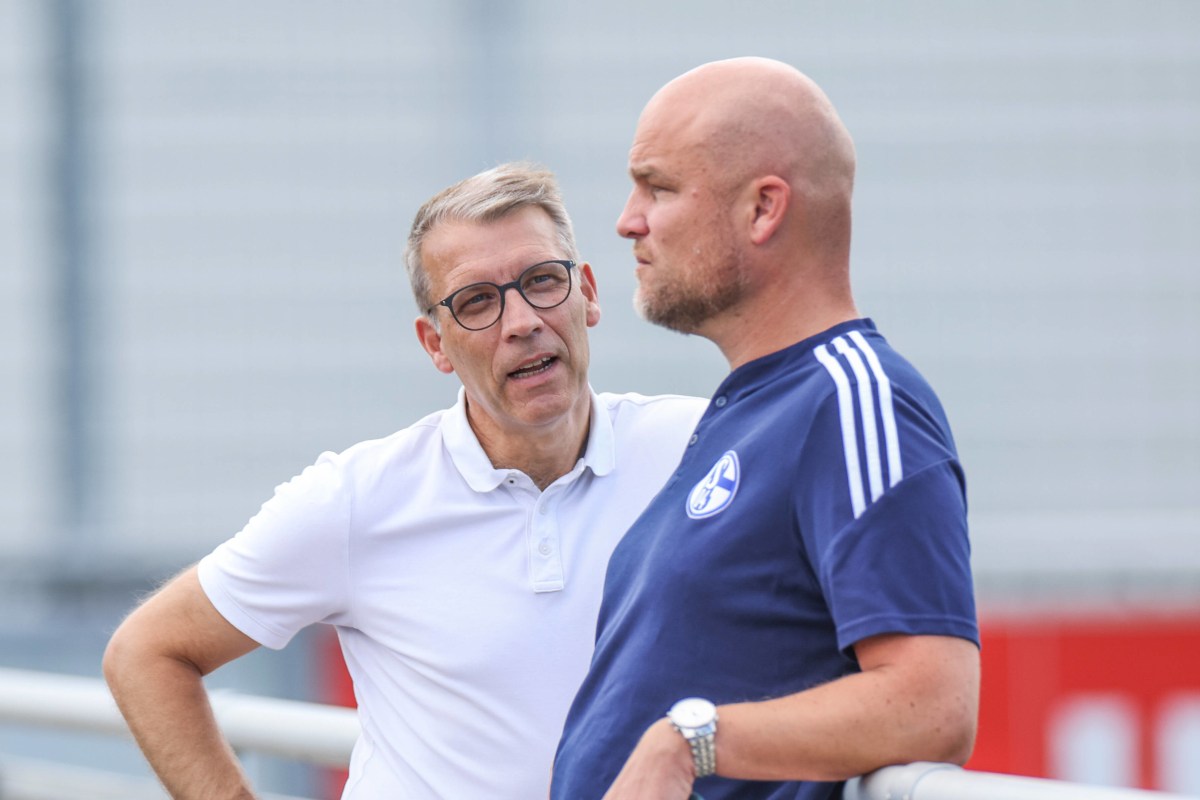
854 632
234 614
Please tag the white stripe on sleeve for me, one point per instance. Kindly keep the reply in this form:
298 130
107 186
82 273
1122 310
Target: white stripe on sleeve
886 408
866 400
849 436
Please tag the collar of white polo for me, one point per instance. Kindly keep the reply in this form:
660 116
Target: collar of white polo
476 468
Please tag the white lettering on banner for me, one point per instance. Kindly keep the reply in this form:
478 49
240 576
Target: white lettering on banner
1177 744
1093 739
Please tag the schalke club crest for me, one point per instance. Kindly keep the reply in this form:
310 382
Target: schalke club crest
715 492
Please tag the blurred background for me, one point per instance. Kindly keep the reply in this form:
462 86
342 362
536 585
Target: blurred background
202 213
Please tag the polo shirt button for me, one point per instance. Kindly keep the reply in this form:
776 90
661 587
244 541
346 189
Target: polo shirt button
720 402
695 438
543 510
544 547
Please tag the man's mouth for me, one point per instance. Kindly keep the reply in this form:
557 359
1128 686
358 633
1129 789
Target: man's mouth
541 365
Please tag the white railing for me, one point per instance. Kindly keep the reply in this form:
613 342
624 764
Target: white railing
36 779
311 732
325 735
924 781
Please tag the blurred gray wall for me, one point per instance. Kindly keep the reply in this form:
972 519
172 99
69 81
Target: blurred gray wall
203 208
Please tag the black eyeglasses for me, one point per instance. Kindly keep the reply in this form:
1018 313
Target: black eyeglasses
480 305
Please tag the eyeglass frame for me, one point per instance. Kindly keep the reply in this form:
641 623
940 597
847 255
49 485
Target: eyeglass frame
503 288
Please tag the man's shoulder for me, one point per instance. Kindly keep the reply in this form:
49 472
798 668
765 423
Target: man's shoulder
669 410
404 444
635 403
861 355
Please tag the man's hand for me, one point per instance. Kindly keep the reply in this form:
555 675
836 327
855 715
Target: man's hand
660 767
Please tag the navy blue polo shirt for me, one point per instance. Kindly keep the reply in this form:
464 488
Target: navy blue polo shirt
820 502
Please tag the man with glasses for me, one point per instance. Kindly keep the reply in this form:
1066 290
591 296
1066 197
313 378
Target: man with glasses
795 607
461 559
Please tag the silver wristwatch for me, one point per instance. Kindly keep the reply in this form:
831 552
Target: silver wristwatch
696 719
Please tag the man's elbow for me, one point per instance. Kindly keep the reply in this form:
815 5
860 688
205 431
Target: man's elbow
953 698
133 653
959 740
951 736
120 657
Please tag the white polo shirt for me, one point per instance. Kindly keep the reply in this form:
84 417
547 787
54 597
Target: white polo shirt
464 598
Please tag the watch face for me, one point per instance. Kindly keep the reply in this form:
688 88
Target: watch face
693 712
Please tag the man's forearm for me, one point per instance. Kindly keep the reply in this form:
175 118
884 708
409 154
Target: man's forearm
155 665
838 731
915 700
167 708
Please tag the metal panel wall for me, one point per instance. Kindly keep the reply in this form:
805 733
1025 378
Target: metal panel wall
1025 233
28 345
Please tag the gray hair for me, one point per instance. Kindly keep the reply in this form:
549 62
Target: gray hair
486 197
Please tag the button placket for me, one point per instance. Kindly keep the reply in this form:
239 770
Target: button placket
545 557
718 402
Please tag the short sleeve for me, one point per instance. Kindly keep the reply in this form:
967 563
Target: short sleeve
288 568
896 558
904 565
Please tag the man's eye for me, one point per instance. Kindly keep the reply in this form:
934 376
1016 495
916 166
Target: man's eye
474 299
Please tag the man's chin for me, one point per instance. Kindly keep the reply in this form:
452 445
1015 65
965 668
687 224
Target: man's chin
542 406
672 318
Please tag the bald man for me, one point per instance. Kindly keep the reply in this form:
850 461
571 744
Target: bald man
795 607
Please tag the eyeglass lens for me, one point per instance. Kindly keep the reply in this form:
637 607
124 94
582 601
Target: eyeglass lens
543 286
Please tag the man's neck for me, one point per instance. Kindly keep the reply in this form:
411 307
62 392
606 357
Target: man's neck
544 453
775 320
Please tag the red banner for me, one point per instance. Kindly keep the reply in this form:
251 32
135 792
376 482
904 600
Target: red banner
1099 698
1107 699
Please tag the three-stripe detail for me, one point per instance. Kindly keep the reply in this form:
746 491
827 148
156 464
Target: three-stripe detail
865 401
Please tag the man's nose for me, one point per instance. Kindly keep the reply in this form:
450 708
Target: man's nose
518 318
632 222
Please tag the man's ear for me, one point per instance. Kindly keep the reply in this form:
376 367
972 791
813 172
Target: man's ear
587 284
431 340
772 196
